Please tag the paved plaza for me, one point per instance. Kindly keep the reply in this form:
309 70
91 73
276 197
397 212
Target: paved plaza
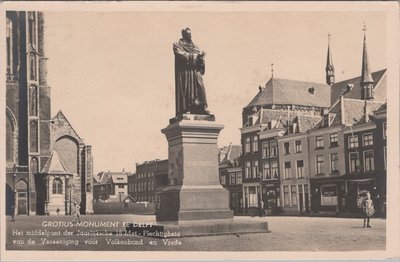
287 234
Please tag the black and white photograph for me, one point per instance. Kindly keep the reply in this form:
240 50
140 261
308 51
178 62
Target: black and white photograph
244 129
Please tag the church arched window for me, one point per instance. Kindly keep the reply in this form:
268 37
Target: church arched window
57 186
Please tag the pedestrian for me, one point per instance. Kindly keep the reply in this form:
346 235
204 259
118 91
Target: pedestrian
77 213
368 209
262 211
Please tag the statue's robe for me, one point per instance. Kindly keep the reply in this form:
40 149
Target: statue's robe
190 93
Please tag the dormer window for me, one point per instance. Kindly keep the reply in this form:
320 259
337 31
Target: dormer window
311 90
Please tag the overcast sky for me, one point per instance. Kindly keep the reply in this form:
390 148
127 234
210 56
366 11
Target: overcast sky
112 74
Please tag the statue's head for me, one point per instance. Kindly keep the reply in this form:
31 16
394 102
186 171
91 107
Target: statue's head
187 34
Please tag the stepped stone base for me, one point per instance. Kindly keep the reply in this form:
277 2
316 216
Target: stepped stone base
199 228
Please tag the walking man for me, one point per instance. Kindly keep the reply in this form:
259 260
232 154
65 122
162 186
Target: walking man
368 209
77 213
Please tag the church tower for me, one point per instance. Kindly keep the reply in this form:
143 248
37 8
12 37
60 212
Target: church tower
366 77
329 69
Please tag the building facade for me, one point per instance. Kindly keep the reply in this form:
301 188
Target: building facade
32 136
149 179
111 186
230 172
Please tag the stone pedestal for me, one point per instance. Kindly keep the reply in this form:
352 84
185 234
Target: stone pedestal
194 191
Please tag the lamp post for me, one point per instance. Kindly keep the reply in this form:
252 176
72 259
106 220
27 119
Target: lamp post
14 207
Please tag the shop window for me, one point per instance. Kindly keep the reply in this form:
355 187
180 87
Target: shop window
294 195
253 198
286 199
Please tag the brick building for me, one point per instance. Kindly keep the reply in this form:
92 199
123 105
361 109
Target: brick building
345 143
43 160
230 172
282 107
149 179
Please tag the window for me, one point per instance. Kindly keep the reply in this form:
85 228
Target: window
334 140
57 186
286 148
32 28
354 163
320 164
286 195
247 145
367 139
223 180
232 179
32 67
9 32
247 170
287 170
274 148
334 162
120 186
266 150
34 136
369 161
298 146
253 200
353 141
255 169
300 168
274 170
294 195
255 144
319 141
384 130
267 171
239 178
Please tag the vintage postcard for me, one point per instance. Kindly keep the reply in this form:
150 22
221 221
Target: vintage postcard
199 130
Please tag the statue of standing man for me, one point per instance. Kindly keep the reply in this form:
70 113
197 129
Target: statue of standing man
190 94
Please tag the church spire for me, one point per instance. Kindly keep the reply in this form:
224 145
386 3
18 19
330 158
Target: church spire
329 69
366 77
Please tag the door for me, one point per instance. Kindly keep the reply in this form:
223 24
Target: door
22 203
301 204
306 197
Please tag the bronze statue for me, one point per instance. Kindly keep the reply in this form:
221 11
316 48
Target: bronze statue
190 94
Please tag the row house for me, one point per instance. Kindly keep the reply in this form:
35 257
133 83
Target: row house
111 186
277 110
295 178
230 172
346 143
148 181
297 156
